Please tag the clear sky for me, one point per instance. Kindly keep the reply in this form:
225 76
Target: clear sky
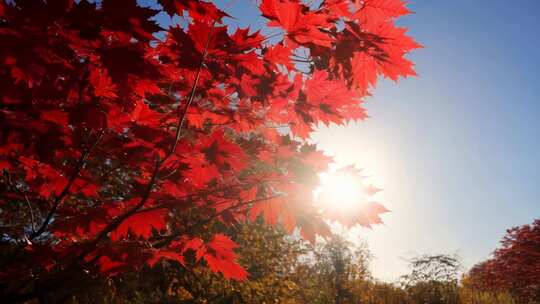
457 150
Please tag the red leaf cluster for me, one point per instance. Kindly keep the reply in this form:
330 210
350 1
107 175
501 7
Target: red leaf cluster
515 266
116 146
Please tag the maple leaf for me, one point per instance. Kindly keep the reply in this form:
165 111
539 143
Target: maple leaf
372 211
311 227
132 18
173 189
220 257
371 190
338 7
398 67
157 255
208 37
269 208
192 244
197 117
107 265
201 171
248 85
220 151
251 62
11 147
146 86
102 83
301 25
55 186
244 40
327 97
87 188
279 54
55 116
374 12
364 69
301 125
50 180
249 194
286 13
141 224
316 159
198 10
393 38
143 115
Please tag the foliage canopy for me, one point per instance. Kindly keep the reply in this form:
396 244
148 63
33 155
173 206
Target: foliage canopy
118 148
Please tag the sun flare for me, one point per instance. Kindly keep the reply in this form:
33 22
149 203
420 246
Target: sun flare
340 190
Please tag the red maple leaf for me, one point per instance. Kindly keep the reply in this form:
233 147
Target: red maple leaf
279 54
56 116
198 10
220 256
301 25
374 12
269 208
141 224
102 83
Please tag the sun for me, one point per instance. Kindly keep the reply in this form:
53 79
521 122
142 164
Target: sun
340 190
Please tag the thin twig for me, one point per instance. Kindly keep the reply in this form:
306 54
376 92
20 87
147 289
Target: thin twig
199 193
121 218
118 220
80 164
169 238
191 95
32 219
27 200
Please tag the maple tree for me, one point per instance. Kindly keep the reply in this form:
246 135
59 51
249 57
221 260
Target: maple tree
515 266
120 139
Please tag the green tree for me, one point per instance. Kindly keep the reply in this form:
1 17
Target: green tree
433 279
335 271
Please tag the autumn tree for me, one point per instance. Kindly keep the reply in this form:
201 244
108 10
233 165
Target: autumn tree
473 291
514 267
120 140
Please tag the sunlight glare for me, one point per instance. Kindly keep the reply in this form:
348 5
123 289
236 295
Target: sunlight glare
340 190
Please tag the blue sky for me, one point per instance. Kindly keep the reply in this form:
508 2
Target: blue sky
457 148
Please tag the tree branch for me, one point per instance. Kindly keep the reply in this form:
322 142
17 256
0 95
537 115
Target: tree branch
169 238
80 164
192 94
199 193
118 220
27 200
